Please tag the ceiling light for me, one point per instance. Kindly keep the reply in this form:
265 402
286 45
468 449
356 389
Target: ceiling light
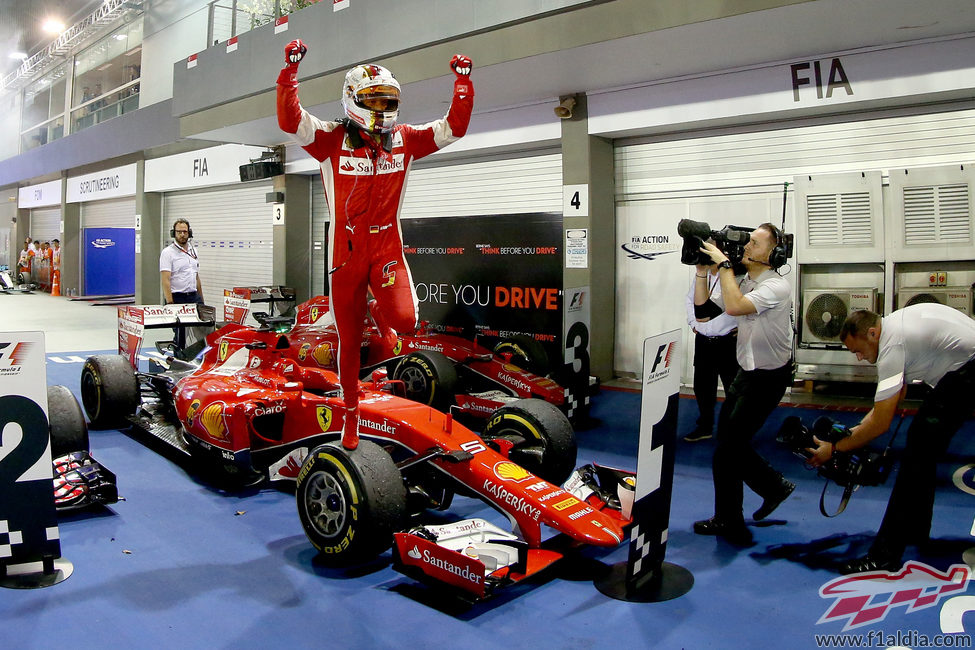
53 26
18 55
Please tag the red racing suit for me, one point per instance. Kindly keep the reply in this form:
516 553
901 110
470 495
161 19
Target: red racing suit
364 186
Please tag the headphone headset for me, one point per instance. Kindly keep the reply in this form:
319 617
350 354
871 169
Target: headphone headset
782 250
172 231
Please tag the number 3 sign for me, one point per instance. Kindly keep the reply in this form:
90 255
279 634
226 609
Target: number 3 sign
28 520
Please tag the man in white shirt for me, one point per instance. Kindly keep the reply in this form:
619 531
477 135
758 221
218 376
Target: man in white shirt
179 271
763 307
928 343
715 341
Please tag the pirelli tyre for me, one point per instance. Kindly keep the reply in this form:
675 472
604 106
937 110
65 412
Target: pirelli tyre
109 390
429 378
526 353
350 502
69 431
536 435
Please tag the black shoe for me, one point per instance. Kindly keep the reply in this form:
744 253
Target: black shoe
773 502
697 435
869 563
736 533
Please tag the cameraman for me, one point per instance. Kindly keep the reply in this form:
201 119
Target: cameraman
763 307
714 353
927 342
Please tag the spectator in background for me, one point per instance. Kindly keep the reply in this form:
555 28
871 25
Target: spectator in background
24 261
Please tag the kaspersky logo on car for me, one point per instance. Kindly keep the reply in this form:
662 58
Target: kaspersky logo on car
865 598
213 422
518 503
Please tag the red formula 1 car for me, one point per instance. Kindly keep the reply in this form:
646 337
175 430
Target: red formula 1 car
441 370
249 409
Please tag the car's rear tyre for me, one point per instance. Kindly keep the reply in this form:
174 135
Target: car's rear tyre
69 432
350 502
536 435
526 353
429 378
109 390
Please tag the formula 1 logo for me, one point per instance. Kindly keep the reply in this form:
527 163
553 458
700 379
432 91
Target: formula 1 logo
865 598
13 359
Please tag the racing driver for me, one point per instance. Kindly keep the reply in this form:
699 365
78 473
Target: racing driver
364 159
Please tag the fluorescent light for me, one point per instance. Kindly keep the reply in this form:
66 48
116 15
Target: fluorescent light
18 55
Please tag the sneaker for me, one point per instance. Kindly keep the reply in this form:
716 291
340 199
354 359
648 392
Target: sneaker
773 502
697 435
736 533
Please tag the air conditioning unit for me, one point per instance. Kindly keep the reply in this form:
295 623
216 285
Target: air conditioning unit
825 310
958 297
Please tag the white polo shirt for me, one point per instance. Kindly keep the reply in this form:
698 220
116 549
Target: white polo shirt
922 343
183 267
765 337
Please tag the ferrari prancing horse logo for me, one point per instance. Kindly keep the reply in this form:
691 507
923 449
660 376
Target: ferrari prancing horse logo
324 414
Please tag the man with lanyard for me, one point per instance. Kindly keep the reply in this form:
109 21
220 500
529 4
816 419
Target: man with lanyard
763 307
179 271
929 343
365 159
715 341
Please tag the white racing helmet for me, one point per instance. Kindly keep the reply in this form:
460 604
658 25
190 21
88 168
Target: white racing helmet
373 85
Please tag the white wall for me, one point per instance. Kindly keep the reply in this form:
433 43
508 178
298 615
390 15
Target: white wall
163 48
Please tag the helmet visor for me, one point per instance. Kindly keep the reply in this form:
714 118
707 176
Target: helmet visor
378 98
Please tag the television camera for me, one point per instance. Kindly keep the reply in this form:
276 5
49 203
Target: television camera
849 469
730 239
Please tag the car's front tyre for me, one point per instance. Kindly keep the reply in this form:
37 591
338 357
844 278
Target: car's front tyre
350 502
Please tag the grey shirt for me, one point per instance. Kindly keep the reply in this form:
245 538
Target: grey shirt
765 337
922 343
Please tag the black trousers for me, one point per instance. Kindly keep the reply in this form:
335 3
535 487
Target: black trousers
714 357
943 411
754 394
179 333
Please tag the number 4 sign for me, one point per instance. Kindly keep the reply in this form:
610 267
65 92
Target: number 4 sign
575 200
28 521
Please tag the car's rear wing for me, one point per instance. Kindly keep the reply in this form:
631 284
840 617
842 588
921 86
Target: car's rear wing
237 302
133 320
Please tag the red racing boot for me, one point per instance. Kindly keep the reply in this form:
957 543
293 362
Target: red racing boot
350 428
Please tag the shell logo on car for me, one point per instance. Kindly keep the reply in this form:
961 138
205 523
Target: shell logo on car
212 420
323 354
508 471
191 412
324 415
